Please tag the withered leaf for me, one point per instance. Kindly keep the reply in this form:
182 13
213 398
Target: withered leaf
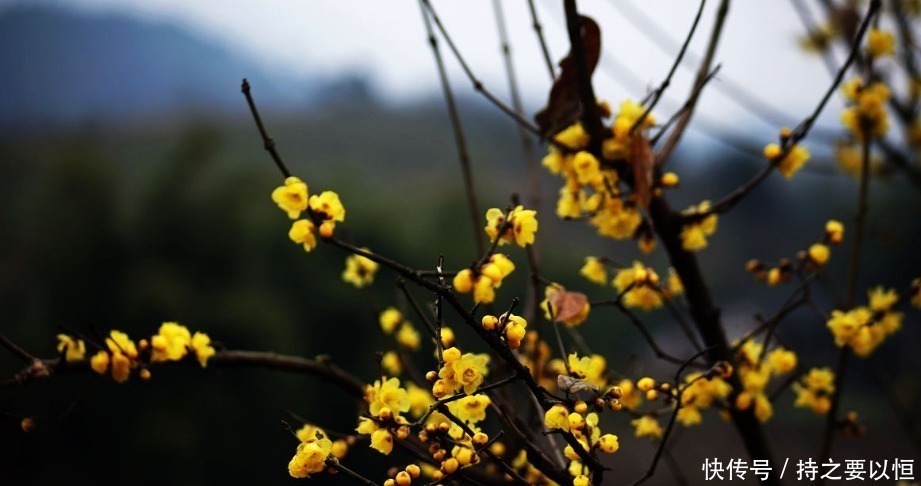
563 107
643 164
566 304
568 384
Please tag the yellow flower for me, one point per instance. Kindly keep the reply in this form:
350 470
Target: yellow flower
630 112
470 409
557 417
814 390
118 342
100 362
595 271
867 113
521 228
310 433
616 220
630 398
781 360
171 343
382 441
291 197
387 394
466 372
882 300
201 345
694 235
327 206
689 415
880 43
463 282
121 367
819 253
587 168
390 319
589 368
638 279
391 363
794 159
489 279
74 349
573 137
764 410
310 458
581 480
302 233
608 443
408 337
647 426
359 270
834 232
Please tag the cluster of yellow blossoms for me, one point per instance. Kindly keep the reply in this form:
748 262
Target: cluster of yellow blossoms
700 393
880 43
460 372
694 234
359 270
788 160
173 342
326 209
639 285
814 390
509 326
866 114
590 369
756 368
313 451
584 427
863 329
518 226
589 188
484 280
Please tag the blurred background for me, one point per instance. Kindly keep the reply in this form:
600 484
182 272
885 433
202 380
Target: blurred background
134 190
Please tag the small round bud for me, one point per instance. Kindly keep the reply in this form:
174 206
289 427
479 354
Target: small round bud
490 322
431 376
616 392
497 448
652 395
450 465
403 479
451 355
27 424
646 383
608 443
480 439
576 421
580 407
144 374
327 228
669 179
413 470
615 404
390 482
402 432
464 456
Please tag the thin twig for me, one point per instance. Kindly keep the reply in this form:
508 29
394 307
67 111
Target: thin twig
657 95
460 140
267 141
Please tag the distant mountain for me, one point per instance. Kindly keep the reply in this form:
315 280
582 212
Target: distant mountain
60 66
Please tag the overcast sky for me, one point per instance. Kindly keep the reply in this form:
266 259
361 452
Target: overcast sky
386 40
